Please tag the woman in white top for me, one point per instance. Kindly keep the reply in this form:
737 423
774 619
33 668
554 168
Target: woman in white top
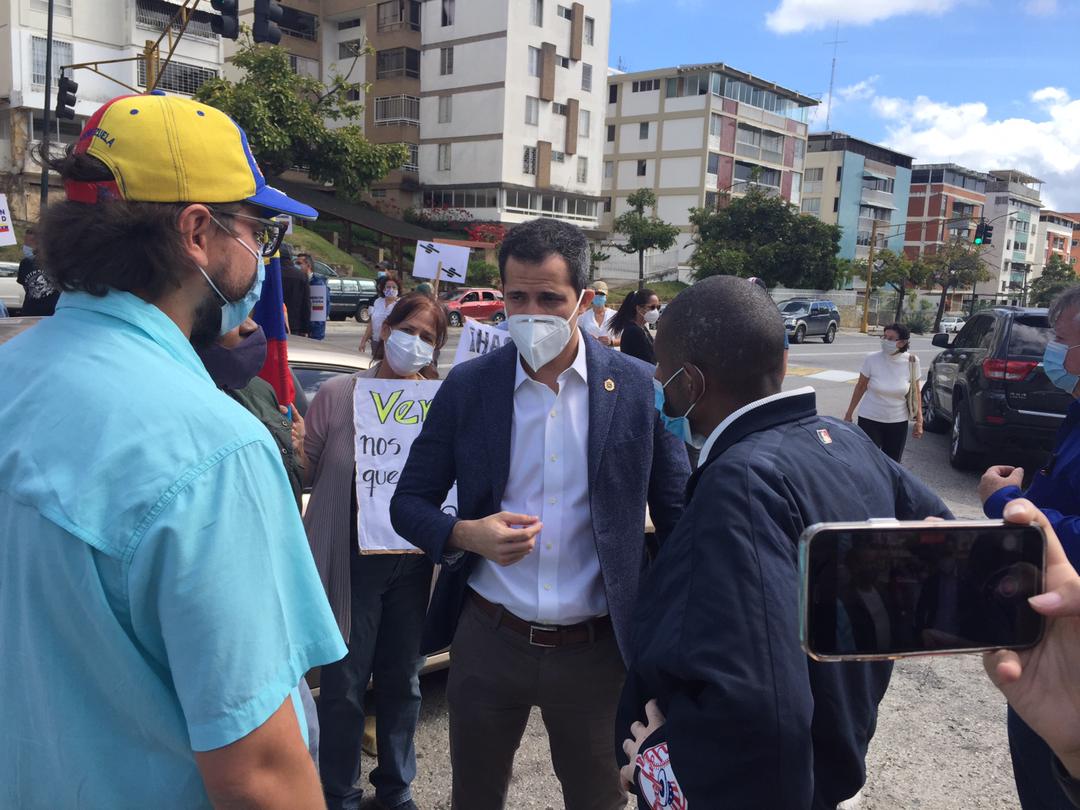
597 320
881 393
387 288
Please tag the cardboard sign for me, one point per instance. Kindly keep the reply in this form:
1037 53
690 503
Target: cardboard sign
477 339
452 259
7 233
320 300
388 416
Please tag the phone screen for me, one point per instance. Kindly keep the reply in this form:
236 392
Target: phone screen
919 588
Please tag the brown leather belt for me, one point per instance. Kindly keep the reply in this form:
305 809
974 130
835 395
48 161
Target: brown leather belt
544 635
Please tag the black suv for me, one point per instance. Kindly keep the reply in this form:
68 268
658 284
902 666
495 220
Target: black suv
807 316
989 386
351 296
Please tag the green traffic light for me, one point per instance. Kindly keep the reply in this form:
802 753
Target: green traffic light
978 240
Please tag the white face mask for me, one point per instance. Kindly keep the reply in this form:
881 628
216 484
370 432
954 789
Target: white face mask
391 292
540 338
888 346
407 354
652 316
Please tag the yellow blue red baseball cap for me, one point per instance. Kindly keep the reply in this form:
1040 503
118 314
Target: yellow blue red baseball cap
168 149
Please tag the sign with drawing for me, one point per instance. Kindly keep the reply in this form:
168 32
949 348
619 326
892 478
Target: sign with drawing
478 339
445 262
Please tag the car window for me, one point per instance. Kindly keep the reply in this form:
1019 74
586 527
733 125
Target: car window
449 295
819 309
470 298
333 284
488 296
366 285
794 308
974 332
350 285
9 269
311 379
1029 335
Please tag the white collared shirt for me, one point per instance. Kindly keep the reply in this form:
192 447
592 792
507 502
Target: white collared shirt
589 325
757 403
560 581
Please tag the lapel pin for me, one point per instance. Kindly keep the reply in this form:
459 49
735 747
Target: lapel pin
609 384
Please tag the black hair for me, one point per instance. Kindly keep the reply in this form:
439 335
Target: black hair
380 284
1065 301
902 332
537 239
627 313
730 330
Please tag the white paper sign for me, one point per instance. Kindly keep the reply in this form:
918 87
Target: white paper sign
454 260
388 416
478 339
319 295
7 233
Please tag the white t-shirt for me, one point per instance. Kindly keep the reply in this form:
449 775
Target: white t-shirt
379 310
589 325
889 375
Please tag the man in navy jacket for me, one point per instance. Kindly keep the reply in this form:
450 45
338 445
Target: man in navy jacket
742 718
556 447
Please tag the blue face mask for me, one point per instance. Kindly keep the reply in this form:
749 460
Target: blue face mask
678 426
233 313
1054 366
599 301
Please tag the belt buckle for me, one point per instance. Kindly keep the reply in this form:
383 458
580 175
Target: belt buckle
533 628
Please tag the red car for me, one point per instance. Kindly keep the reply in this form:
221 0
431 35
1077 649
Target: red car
479 303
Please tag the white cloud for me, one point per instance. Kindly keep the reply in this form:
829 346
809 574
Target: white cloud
1041 8
1050 95
792 16
860 91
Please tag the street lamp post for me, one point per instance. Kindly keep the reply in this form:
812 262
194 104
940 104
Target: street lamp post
46 111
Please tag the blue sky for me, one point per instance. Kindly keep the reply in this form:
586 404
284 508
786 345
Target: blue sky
985 83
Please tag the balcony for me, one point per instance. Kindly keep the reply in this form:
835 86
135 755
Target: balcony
156 15
882 199
397 111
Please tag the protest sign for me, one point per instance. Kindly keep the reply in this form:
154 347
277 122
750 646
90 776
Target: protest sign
388 416
448 262
7 233
478 339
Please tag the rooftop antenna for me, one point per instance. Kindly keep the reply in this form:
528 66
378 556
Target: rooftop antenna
832 76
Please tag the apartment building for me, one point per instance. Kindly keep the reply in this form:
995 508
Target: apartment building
83 31
691 134
1013 202
1055 238
945 203
854 183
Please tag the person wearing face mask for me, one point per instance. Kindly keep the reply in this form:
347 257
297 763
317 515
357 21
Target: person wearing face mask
41 294
162 515
555 448
387 288
597 321
639 309
379 600
1055 490
725 712
887 393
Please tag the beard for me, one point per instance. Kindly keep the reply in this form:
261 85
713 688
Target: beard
206 325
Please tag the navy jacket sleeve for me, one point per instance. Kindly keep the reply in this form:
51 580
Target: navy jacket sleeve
429 473
1067 527
667 481
738 727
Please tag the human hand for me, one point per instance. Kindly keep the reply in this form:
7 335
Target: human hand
504 538
605 340
849 417
999 477
632 746
917 431
1040 683
297 429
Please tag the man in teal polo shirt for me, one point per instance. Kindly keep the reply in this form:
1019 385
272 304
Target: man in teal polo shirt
158 600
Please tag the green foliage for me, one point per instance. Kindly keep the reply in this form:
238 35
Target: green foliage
596 257
763 235
643 231
303 240
1057 276
665 291
956 264
922 320
482 274
896 271
285 114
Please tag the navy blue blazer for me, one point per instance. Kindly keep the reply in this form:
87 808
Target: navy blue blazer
751 721
466 437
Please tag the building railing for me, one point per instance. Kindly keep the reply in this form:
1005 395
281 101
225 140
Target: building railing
155 17
874 197
535 212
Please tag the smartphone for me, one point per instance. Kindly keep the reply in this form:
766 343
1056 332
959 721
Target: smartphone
887 589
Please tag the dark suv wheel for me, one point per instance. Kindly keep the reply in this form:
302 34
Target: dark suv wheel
830 334
933 420
960 439
362 314
800 334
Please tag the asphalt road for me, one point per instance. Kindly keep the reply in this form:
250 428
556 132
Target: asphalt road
941 740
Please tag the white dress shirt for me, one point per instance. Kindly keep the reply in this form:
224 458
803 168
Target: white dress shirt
749 406
589 325
559 582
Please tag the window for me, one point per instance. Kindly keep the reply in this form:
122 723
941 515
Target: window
583 170
350 49
641 167
800 149
355 92
716 123
609 169
62 55
586 77
302 66
558 109
394 15
613 94
558 157
446 109
643 131
885 184
645 86
444 157
534 61
584 123
355 22
447 12
692 84
564 12
714 163
392 110
562 61
537 15
155 14
813 180
611 133
590 30
532 110
412 162
62 8
839 173
397 62
299 24
710 199
446 61
177 77
811 205
836 204
607 205
529 160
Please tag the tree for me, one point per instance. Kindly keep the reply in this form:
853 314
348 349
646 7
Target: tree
763 235
1057 276
643 231
896 271
596 257
955 264
285 117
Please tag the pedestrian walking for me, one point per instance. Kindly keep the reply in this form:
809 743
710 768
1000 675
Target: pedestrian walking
597 321
40 291
639 309
387 289
887 393
296 293
555 448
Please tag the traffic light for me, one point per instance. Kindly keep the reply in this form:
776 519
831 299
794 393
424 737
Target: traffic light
65 97
988 233
228 24
980 233
268 14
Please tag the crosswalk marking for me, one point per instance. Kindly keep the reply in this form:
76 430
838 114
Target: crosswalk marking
823 374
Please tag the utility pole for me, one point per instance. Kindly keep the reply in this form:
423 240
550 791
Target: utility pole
150 56
869 279
832 75
45 114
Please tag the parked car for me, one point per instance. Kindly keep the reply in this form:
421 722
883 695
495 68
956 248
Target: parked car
11 292
351 297
479 303
988 385
952 323
804 317
323 269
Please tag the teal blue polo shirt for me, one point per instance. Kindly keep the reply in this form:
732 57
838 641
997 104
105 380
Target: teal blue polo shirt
157 592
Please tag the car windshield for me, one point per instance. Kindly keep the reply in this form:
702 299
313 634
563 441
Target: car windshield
1029 336
795 308
449 295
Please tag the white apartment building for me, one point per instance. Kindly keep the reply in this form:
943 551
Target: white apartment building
1014 256
83 31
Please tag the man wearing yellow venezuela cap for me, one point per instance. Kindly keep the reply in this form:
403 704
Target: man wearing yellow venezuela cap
158 601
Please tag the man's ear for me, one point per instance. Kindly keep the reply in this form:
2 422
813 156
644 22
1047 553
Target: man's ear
196 228
586 300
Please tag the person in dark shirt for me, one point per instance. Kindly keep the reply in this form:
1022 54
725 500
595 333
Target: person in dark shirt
639 308
41 295
296 293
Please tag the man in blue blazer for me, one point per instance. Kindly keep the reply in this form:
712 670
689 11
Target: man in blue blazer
556 447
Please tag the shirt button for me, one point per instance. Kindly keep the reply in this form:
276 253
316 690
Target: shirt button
553 414
552 501
554 457
548 546
547 587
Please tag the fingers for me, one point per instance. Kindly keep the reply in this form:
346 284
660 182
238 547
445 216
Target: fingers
1062 601
514 519
629 748
1004 470
1023 512
1003 667
626 776
638 730
653 714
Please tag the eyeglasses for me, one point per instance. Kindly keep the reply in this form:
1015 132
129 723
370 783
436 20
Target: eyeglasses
269 236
